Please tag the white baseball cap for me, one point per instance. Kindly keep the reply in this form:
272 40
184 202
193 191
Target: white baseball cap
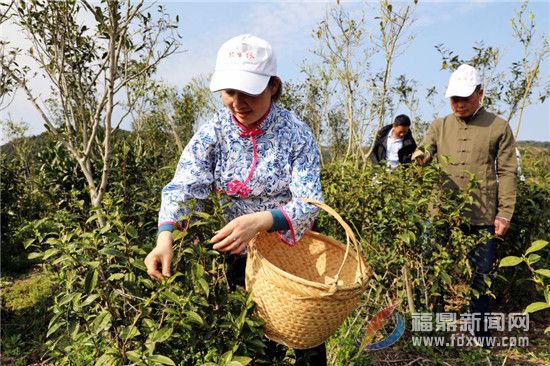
244 63
463 82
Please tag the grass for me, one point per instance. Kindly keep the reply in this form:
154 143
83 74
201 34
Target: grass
24 311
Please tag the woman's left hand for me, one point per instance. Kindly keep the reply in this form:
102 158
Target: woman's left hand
234 236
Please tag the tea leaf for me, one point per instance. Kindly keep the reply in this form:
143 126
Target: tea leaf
162 359
536 246
510 261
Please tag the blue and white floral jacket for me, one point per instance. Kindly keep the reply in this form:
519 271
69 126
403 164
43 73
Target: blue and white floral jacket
270 166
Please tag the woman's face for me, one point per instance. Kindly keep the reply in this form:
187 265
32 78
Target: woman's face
248 109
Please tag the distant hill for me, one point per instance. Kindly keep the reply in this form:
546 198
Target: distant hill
534 143
37 143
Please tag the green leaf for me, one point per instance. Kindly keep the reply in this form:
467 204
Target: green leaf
204 286
487 280
446 278
90 299
161 335
177 235
116 276
510 261
112 252
28 242
533 258
404 237
195 318
107 360
50 252
536 306
547 330
129 332
242 360
105 228
162 359
101 322
73 329
65 259
66 299
171 296
132 232
138 264
90 282
537 245
92 218
133 356
226 357
544 272
34 255
199 270
52 329
173 278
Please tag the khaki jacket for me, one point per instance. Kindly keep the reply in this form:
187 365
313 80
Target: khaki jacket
483 146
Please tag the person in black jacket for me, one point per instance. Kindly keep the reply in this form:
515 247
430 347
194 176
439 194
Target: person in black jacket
394 143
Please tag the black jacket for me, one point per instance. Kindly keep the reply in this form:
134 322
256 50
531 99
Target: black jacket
379 152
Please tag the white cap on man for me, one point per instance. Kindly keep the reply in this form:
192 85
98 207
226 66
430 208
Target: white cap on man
463 82
244 63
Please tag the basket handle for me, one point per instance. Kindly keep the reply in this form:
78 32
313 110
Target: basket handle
349 235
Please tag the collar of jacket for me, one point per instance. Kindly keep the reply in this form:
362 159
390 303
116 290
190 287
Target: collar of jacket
236 186
472 117
383 134
259 127
384 131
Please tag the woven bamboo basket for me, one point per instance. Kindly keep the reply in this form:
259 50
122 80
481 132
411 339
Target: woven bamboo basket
304 293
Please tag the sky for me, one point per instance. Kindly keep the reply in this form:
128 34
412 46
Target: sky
288 26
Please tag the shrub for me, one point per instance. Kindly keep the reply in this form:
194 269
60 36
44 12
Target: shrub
409 225
108 311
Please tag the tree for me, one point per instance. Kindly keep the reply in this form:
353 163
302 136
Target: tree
509 93
525 73
345 48
89 55
393 22
15 133
341 38
168 117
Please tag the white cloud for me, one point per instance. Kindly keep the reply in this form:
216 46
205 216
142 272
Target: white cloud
282 23
431 15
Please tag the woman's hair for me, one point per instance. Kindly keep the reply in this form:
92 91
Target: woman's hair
279 91
402 120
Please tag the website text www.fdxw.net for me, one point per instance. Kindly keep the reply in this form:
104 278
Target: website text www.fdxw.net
463 340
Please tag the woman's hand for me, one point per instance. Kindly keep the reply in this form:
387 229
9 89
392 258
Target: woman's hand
234 236
159 259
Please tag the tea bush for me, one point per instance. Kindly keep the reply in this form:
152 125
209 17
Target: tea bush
409 226
107 311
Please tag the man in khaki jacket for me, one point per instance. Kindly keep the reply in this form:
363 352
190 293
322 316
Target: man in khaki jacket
481 143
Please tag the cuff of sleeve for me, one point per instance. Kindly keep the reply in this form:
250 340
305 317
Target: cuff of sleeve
503 218
280 223
171 226
165 227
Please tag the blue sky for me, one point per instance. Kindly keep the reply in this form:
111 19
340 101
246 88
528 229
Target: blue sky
288 26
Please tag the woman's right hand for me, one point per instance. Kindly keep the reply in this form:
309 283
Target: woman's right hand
159 259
